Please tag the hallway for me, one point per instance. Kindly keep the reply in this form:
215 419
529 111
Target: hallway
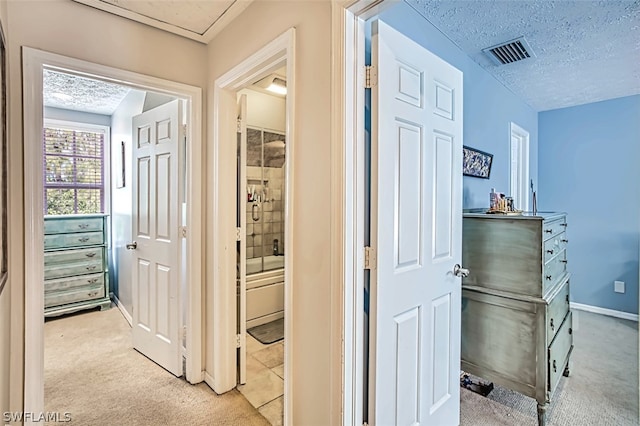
93 373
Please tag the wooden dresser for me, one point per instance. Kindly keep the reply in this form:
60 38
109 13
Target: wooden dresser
75 263
516 322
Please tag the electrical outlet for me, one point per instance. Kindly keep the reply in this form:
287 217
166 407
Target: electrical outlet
618 286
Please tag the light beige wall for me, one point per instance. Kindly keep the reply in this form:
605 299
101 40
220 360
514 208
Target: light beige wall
72 29
315 394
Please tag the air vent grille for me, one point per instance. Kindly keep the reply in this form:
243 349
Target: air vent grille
509 52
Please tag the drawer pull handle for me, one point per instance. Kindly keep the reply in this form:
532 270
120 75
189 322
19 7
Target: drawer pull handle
567 298
92 281
548 231
553 327
91 267
90 254
83 225
548 277
550 251
83 239
563 261
570 331
554 366
565 241
563 224
93 293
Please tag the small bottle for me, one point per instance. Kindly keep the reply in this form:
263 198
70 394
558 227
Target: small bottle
275 247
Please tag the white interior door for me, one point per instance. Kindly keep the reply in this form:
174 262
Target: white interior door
416 231
242 243
156 208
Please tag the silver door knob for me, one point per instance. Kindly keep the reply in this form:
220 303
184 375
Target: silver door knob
132 246
459 271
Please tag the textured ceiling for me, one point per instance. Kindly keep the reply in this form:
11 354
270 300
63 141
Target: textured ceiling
81 94
586 51
199 20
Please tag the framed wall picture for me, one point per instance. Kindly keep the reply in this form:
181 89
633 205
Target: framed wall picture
476 163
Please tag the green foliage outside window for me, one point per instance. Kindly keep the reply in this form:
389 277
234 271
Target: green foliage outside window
73 171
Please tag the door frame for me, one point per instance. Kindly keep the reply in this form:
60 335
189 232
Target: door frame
348 185
221 318
34 61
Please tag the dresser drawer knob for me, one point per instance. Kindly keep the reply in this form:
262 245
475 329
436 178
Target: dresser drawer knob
92 281
563 224
550 251
92 254
565 241
567 298
93 293
553 327
563 261
83 239
548 277
83 225
554 366
548 231
91 267
570 331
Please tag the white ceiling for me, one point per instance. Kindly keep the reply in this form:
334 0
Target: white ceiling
83 94
586 51
198 20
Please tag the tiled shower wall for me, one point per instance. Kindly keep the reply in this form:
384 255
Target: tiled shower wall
270 226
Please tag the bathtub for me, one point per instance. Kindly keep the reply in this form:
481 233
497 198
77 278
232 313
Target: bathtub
265 290
270 262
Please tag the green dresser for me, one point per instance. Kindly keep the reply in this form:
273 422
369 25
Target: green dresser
516 321
75 263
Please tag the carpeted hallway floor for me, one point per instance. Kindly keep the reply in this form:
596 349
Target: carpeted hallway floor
92 372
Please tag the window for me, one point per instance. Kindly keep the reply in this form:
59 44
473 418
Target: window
74 168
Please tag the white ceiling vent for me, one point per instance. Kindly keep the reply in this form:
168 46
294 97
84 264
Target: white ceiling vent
511 51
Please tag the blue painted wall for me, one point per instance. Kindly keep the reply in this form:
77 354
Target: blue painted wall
488 106
589 167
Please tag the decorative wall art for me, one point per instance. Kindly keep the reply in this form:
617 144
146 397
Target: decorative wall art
476 163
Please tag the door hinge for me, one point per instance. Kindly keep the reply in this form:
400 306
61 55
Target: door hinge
238 234
183 231
370 76
238 340
369 258
184 332
239 125
184 130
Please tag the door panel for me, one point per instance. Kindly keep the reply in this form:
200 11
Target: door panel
156 209
416 221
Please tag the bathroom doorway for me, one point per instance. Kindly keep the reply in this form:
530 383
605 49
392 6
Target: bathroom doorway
261 252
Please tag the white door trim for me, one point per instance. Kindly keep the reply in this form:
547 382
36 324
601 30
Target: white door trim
33 63
520 187
221 220
348 186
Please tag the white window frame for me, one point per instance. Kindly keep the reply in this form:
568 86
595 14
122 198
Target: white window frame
519 166
106 151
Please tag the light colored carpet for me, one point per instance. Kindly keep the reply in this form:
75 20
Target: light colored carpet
93 373
601 390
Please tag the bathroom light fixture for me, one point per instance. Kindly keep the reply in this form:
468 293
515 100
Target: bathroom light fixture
273 83
278 86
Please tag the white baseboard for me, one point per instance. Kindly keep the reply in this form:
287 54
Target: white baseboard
604 311
123 310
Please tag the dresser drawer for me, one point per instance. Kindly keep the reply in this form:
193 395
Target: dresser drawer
81 267
72 256
559 352
555 245
552 228
61 284
71 224
55 298
73 240
557 311
554 270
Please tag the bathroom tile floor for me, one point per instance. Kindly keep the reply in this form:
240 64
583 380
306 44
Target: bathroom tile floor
265 379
